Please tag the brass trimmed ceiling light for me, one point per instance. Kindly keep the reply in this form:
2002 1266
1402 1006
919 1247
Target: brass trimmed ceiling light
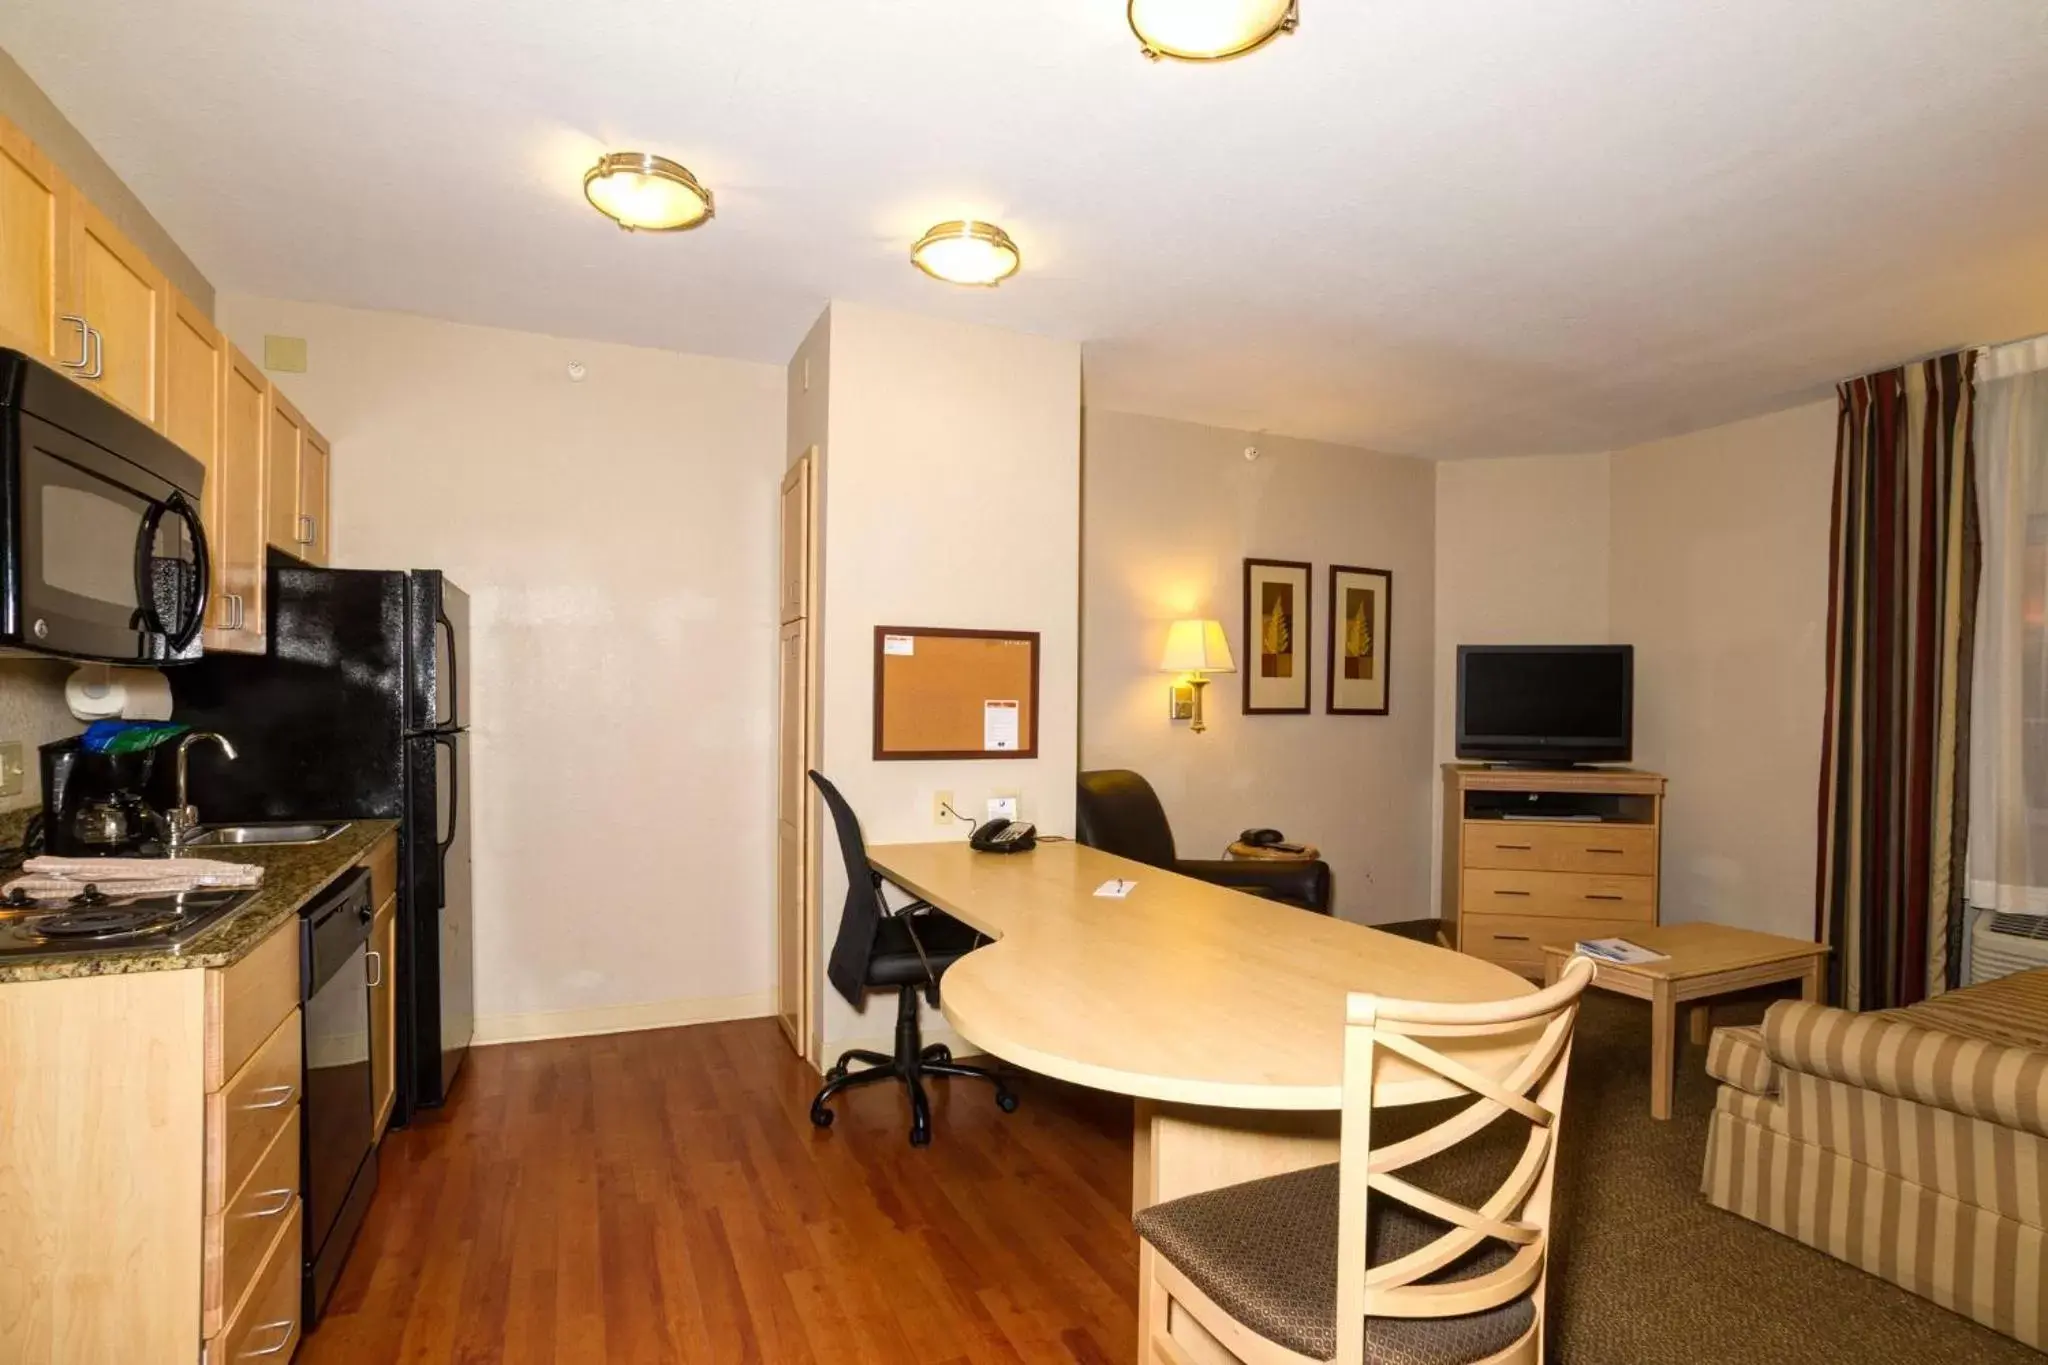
967 252
643 193
1208 30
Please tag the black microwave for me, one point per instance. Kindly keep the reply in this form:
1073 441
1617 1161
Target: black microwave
102 555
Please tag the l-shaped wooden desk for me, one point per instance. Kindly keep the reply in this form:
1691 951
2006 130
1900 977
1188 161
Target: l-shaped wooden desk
1220 1013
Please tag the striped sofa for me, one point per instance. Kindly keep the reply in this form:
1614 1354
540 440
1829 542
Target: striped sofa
1911 1143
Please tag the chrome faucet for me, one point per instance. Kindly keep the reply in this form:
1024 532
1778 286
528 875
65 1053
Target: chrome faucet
185 818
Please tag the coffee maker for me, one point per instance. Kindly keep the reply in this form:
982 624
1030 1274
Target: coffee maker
94 804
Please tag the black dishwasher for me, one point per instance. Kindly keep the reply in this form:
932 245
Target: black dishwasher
338 1159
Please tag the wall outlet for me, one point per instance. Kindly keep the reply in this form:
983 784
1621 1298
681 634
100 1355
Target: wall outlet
12 771
1002 808
940 802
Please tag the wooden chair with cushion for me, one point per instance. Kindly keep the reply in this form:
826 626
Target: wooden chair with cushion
1427 1250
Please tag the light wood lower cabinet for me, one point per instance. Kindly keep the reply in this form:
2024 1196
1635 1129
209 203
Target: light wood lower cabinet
268 1324
238 1235
384 1014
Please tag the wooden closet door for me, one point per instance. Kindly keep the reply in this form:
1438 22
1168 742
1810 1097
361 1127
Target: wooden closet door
34 253
792 944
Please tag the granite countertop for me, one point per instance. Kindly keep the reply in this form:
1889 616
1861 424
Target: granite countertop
292 874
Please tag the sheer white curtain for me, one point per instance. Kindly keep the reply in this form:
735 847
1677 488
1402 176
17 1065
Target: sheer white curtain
2008 838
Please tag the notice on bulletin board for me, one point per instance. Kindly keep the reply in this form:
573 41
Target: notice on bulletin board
899 646
999 725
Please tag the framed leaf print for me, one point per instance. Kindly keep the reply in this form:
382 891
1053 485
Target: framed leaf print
1276 636
1361 617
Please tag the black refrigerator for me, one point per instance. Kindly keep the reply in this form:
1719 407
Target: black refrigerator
361 710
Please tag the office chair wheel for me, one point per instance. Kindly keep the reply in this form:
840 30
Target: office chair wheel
920 1137
937 1052
821 1117
1006 1102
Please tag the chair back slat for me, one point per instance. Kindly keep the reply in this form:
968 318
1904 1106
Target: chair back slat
1516 1213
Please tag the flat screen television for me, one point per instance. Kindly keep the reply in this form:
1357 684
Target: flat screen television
1550 705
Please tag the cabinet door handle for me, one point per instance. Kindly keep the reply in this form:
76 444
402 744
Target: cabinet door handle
1606 850
374 964
284 1201
283 1327
99 353
241 611
1601 896
308 530
84 342
1510 893
1512 938
1513 848
285 1093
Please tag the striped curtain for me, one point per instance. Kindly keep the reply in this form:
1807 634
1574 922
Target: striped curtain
1901 616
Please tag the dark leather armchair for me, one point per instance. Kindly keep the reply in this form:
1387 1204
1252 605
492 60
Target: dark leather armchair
1118 812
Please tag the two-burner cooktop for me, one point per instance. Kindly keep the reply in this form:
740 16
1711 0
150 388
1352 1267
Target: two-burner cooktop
96 920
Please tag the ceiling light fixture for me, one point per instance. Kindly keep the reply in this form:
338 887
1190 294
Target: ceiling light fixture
643 193
1208 30
967 252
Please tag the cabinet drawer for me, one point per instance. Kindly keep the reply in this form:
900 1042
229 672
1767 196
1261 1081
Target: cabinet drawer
1524 846
244 1002
1489 891
245 1116
238 1235
266 1327
1518 940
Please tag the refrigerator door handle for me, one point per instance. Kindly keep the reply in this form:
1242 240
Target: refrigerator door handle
441 622
454 796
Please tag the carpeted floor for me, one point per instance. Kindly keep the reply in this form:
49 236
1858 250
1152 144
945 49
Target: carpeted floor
1652 1273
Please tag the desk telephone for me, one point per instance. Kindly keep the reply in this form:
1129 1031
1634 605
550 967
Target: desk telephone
1004 836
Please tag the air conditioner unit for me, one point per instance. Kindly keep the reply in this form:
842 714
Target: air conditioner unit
2003 944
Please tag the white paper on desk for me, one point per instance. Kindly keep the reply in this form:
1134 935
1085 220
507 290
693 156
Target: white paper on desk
1116 888
999 726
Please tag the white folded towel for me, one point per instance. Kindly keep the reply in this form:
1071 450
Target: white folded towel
48 876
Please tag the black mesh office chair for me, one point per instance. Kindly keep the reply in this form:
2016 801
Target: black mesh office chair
905 950
1117 811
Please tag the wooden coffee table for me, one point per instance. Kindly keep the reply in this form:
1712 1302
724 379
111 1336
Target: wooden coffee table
1702 961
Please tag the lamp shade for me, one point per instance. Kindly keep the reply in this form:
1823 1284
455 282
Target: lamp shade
1196 646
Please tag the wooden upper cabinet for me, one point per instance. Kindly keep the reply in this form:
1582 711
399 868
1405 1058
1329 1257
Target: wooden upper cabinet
285 440
235 505
35 254
314 469
194 362
126 300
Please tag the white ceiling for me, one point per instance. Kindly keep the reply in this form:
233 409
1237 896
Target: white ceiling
1433 226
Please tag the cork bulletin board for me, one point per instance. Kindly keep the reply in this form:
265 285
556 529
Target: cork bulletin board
942 693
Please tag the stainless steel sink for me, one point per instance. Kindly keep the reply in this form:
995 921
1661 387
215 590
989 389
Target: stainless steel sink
220 836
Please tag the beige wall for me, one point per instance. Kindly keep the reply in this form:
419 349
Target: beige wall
23 103
1720 580
32 711
951 498
1521 559
1171 512
617 540
1709 554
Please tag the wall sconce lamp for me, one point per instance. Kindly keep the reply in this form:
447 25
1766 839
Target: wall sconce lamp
1194 648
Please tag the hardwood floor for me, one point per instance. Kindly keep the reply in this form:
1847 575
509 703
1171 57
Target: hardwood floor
662 1197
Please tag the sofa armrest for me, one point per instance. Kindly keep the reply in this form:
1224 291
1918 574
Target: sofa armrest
1970 1076
1305 884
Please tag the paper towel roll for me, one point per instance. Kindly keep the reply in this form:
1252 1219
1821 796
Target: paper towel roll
102 692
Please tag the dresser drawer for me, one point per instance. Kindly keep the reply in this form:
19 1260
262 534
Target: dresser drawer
1518 940
245 1116
245 1002
1489 891
238 1235
1526 846
266 1327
